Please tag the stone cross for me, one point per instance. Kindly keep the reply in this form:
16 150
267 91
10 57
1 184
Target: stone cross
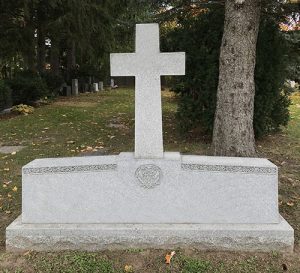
147 64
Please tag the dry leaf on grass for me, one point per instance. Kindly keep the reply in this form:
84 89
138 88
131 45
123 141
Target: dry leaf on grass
128 268
169 257
290 204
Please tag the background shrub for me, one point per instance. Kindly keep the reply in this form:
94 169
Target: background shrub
200 37
53 82
271 94
28 87
5 95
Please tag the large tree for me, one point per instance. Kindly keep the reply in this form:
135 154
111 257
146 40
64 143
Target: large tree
233 133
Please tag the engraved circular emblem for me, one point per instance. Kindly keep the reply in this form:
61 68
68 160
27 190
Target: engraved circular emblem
148 175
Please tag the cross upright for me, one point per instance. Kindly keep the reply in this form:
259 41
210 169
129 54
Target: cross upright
147 64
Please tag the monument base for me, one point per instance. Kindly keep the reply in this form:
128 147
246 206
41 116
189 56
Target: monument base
92 237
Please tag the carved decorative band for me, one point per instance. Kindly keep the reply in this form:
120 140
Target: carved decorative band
148 175
228 169
71 169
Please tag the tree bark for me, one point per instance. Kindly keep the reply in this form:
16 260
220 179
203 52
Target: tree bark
233 133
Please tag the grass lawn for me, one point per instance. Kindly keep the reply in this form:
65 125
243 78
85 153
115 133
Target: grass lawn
105 122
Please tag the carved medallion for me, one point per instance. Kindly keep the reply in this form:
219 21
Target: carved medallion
148 175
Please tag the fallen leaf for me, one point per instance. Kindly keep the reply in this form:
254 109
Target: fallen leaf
169 257
13 153
291 204
6 169
9 195
128 268
15 189
27 253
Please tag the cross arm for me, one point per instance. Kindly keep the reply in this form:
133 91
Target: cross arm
172 63
122 64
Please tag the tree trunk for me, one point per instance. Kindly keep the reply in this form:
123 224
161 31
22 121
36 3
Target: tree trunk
233 133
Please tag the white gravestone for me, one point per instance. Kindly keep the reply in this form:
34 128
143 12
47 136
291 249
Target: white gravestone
151 198
95 87
74 87
112 83
147 64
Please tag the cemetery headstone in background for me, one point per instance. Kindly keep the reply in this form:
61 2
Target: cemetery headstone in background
75 87
149 198
95 87
101 86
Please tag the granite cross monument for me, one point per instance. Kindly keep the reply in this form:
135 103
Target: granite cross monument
147 64
149 198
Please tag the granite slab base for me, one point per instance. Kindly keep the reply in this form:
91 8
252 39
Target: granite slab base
175 189
92 237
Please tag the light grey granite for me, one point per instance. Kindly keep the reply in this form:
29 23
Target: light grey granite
75 87
92 237
150 198
10 149
174 189
95 87
147 64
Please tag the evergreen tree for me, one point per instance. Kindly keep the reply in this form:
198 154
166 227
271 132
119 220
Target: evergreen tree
200 37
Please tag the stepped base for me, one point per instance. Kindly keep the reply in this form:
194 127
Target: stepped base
92 237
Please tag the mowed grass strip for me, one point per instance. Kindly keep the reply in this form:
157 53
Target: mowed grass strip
104 122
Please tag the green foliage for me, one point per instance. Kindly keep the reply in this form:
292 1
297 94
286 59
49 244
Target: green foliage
53 82
5 95
195 266
80 262
27 87
271 95
200 37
